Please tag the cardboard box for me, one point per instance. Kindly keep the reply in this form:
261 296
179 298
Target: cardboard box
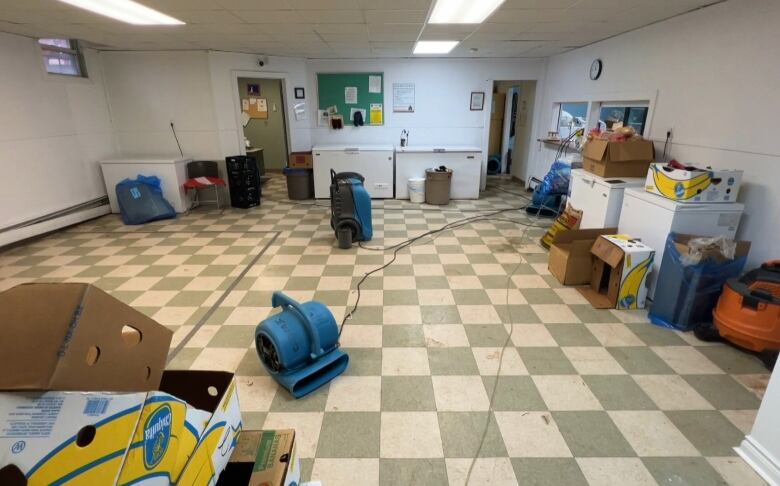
164 427
494 139
264 458
76 337
301 160
618 159
570 259
619 273
498 107
693 186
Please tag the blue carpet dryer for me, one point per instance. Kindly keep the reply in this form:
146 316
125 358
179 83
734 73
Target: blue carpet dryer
299 346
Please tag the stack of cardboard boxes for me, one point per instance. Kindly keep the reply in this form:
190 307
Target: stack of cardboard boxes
86 400
616 266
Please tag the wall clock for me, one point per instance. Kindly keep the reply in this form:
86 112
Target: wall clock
595 69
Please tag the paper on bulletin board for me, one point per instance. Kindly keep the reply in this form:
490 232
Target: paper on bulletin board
375 84
375 116
323 118
351 95
403 97
255 107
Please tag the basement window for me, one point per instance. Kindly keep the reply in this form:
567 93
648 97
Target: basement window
63 56
571 117
613 116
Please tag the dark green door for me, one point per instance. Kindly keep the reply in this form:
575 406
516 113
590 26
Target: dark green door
268 134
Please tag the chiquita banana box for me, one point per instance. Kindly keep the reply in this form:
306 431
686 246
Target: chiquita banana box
695 185
637 264
95 438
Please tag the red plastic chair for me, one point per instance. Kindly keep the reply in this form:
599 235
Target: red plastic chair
202 174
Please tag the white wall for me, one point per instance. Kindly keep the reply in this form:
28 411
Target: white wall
148 90
761 448
53 130
715 74
442 92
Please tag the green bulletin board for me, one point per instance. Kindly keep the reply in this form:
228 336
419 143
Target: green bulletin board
330 91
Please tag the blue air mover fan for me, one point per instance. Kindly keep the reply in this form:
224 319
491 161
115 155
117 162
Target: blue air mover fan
299 346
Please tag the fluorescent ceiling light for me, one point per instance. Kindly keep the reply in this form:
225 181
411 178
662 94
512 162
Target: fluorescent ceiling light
126 11
463 11
434 47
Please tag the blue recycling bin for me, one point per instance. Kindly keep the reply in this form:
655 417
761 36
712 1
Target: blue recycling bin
685 295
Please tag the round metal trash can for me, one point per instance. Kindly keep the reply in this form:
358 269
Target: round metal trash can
437 186
300 183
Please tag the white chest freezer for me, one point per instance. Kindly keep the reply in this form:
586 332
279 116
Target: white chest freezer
598 198
465 162
171 171
651 218
374 162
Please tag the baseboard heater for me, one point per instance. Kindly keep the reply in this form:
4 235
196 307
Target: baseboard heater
54 221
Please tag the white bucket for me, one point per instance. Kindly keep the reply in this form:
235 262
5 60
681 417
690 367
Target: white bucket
416 187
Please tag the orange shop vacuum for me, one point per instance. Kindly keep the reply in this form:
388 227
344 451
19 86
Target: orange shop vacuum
748 311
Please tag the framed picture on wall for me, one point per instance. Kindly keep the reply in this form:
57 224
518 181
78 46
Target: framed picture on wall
300 93
253 89
477 100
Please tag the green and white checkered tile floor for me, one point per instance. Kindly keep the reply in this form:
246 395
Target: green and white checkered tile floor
586 396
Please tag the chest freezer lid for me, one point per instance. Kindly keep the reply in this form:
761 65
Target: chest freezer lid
427 149
609 182
670 205
355 147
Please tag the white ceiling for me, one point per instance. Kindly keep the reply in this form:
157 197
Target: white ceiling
346 28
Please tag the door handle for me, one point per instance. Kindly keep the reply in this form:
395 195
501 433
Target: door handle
469 156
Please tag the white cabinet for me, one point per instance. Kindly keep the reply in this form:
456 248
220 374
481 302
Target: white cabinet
172 174
651 218
598 198
465 162
374 162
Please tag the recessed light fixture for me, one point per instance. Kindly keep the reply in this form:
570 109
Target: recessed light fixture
126 11
434 47
463 11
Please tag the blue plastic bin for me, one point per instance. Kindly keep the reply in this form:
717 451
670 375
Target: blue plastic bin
686 294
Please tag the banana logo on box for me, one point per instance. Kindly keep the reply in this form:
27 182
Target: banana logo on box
630 286
157 436
676 189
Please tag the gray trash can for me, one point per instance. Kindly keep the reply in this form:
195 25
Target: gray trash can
437 186
300 183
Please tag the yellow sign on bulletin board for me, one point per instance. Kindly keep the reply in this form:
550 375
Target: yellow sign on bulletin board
375 114
255 107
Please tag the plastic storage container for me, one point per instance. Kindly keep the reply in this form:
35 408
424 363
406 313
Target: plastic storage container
437 186
300 183
687 294
416 186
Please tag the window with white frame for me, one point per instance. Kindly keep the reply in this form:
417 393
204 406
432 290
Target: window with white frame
570 117
62 56
615 115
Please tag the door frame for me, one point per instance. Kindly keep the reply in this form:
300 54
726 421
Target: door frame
237 73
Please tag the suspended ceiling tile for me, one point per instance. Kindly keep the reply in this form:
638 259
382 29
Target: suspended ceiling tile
538 3
324 4
395 16
268 16
395 4
346 37
523 15
254 4
341 29
332 16
205 16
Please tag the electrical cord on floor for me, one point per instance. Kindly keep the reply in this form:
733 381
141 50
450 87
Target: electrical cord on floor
491 400
404 244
